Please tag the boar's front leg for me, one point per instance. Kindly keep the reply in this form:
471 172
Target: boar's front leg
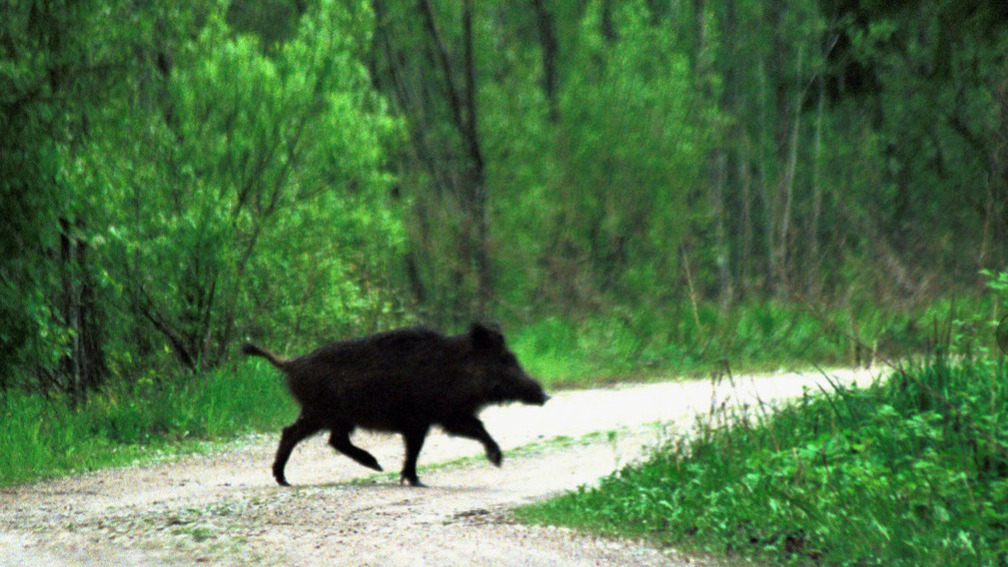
292 435
471 427
414 438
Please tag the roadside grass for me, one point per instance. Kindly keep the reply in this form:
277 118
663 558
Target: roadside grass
47 437
909 471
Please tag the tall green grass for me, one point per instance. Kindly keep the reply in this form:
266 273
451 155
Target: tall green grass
910 471
43 437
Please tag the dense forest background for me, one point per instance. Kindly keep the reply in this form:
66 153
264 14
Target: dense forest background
177 177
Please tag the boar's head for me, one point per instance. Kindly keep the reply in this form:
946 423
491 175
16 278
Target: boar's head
491 361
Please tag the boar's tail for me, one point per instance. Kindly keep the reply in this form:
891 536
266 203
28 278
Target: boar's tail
253 350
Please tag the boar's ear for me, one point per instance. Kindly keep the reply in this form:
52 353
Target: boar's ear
486 337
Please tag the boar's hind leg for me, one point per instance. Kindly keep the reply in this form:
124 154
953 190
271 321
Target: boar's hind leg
472 427
292 435
414 439
340 440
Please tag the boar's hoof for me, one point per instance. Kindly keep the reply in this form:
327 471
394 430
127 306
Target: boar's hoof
414 481
278 474
494 456
371 463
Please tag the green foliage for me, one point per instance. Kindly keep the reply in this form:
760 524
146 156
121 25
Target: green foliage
629 149
910 471
935 70
44 437
641 92
41 94
159 222
274 167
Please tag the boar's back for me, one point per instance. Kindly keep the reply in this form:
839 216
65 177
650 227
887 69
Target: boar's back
383 381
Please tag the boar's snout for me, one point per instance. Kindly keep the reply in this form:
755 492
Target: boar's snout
539 398
532 392
516 386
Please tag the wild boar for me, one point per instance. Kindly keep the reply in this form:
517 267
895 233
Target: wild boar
401 381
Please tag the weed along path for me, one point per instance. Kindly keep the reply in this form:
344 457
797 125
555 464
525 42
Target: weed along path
223 507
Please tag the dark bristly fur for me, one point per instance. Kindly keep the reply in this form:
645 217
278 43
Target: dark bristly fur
401 381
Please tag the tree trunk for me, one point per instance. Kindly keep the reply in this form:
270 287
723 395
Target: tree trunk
786 185
83 366
721 160
548 39
71 311
813 278
787 189
747 254
764 157
484 275
726 292
607 26
717 162
463 108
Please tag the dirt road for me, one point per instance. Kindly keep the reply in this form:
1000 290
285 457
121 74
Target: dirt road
223 508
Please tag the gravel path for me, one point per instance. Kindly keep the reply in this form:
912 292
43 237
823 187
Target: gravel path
223 508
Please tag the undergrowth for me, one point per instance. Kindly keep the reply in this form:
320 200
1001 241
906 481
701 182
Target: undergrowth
912 470
44 437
